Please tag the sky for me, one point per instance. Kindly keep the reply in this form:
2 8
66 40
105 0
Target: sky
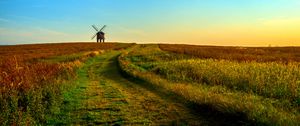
200 22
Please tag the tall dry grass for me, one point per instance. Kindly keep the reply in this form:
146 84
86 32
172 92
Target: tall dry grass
28 91
270 80
31 90
258 54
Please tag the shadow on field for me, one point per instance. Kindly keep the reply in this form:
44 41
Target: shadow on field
205 111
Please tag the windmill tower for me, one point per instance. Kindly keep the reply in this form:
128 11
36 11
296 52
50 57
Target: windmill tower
99 33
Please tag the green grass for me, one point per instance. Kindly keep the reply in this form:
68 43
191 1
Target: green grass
102 96
71 97
82 101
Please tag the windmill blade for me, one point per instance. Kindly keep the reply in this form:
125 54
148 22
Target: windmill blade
94 36
95 27
102 27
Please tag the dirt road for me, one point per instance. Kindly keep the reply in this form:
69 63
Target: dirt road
104 96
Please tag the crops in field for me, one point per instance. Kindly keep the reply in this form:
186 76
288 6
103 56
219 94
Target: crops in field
271 80
258 54
32 78
264 89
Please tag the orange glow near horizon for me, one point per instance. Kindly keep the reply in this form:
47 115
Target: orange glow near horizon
200 22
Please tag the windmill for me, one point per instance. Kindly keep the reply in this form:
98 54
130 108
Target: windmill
99 33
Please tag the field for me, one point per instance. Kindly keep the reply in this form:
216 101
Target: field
31 86
156 84
255 89
258 54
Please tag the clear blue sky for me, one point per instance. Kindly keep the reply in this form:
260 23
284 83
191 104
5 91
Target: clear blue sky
216 22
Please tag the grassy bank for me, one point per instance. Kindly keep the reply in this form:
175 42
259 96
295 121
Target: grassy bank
264 93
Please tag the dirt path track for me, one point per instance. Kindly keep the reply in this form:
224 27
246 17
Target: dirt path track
105 97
